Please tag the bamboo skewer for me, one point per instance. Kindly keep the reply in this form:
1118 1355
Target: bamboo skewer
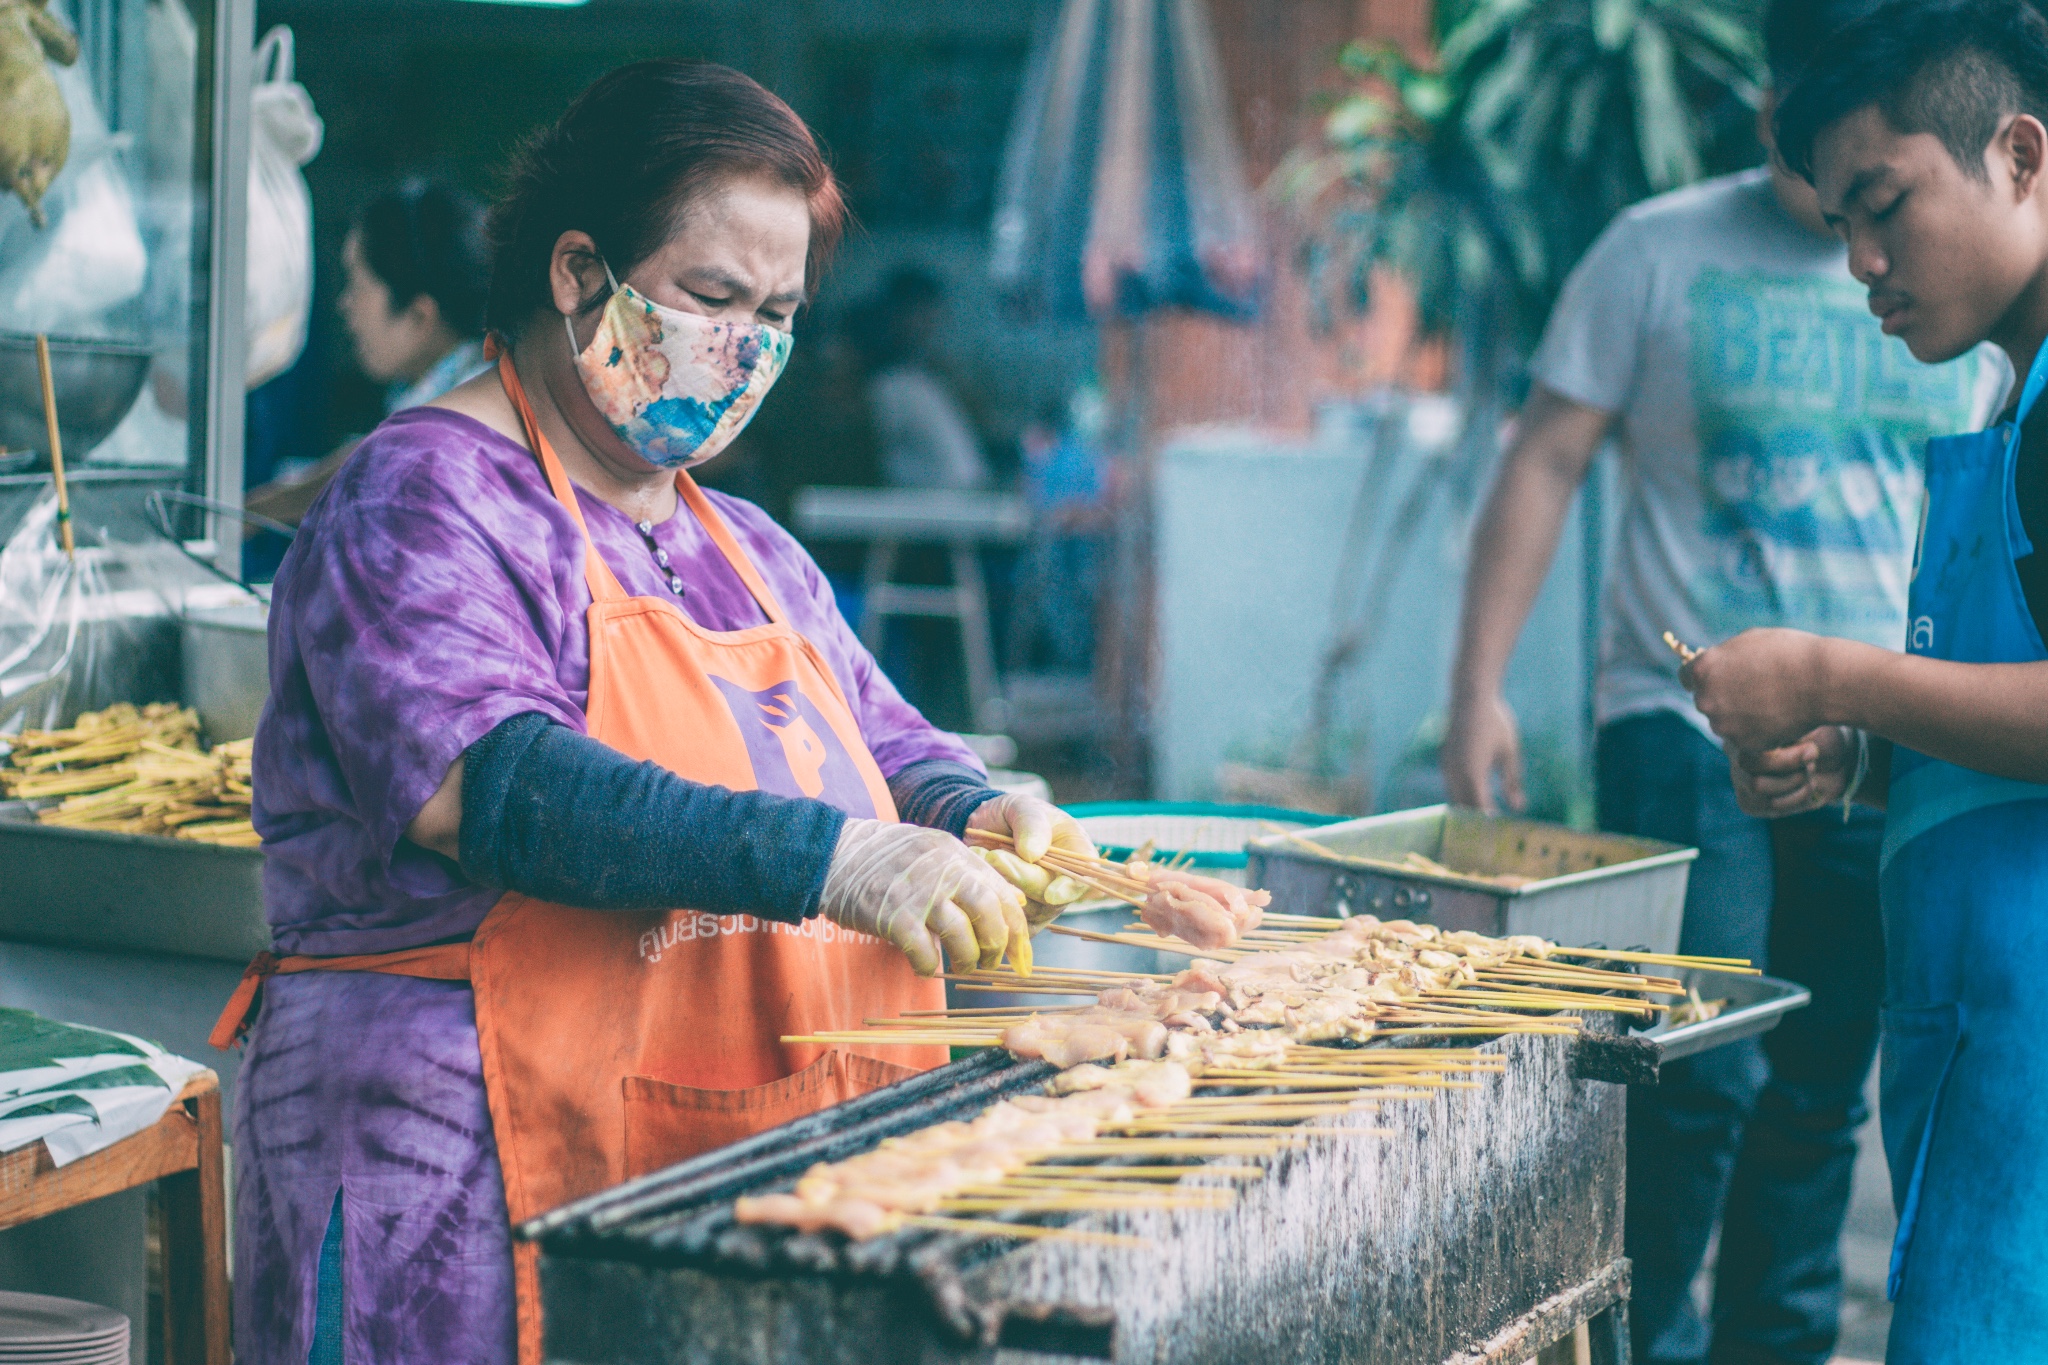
56 445
1257 1109
1024 1231
1164 945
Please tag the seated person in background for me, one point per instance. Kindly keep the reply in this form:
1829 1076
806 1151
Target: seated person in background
413 306
926 439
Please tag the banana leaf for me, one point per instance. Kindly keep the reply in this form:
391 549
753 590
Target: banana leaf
29 1040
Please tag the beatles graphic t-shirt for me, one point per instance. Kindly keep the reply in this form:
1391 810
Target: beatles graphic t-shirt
1770 435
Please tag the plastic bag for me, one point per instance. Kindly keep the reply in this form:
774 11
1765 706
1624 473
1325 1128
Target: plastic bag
79 634
284 135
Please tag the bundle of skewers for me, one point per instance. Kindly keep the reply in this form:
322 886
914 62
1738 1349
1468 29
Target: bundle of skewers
1203 911
134 770
1250 1051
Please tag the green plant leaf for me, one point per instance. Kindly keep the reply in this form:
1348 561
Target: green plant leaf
1488 20
1582 120
29 1040
1737 42
1536 129
1429 98
1614 21
1503 87
1663 124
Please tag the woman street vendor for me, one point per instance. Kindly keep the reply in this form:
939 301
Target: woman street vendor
533 689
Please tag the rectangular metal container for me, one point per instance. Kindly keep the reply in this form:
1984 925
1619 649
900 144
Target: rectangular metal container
136 893
1588 888
1754 1005
226 667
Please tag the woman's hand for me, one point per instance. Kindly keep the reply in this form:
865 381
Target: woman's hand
924 891
1762 690
1034 827
1806 775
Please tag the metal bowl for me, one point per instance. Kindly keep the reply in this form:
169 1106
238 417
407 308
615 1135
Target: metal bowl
96 384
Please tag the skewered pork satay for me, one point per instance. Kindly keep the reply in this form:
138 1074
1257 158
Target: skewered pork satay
865 1195
1091 1035
1176 911
1203 911
1151 1085
1162 1002
1253 1050
857 1218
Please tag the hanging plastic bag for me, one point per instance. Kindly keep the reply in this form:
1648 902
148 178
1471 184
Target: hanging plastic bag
46 635
284 135
81 633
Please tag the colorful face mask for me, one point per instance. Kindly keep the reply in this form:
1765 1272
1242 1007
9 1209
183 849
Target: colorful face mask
676 386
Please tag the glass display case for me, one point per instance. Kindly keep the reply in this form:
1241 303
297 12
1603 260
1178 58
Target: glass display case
121 222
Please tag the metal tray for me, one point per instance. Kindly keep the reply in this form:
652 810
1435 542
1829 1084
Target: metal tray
1755 1005
83 888
1589 888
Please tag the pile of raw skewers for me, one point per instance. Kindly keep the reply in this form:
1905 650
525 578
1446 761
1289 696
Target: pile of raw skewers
133 770
1274 1036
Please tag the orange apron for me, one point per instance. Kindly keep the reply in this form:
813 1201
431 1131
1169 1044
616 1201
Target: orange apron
615 1043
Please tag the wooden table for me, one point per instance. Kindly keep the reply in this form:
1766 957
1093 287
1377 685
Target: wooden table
181 1152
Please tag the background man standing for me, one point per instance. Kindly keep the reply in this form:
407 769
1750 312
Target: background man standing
1770 437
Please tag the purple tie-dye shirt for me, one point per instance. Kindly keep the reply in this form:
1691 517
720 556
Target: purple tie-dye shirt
435 590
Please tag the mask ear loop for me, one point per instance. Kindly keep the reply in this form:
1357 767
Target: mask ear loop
569 328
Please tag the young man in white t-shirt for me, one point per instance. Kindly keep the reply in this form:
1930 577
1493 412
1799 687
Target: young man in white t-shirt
1770 438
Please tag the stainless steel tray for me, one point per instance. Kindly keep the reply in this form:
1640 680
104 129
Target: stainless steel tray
1587 888
1755 1005
82 888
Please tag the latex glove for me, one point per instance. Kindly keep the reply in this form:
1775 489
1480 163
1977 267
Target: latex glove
1034 827
923 891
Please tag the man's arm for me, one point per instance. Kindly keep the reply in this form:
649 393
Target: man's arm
1512 546
1765 688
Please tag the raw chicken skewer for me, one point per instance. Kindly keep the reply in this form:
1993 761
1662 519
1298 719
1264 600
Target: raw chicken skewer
1204 911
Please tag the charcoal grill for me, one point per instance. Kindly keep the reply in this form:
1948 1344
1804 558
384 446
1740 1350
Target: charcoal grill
1486 1226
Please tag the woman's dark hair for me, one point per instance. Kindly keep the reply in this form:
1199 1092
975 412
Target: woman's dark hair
1951 69
626 161
428 238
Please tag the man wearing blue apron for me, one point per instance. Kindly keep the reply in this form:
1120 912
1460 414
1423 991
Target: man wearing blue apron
1921 128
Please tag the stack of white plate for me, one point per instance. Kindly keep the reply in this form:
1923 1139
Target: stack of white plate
36 1329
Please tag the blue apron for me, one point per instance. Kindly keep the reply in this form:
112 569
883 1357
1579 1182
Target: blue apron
1965 892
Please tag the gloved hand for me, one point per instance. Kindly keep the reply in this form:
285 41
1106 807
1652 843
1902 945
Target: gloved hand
921 889
1034 826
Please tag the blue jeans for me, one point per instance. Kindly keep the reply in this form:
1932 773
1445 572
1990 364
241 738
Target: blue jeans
1759 1135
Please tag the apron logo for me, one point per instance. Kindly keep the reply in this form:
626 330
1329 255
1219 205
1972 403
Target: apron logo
696 926
1923 633
794 749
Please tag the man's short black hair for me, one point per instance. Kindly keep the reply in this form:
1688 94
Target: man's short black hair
1795 29
1955 70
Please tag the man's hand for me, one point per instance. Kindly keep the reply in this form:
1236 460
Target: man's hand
1806 775
1762 690
1513 543
1482 739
